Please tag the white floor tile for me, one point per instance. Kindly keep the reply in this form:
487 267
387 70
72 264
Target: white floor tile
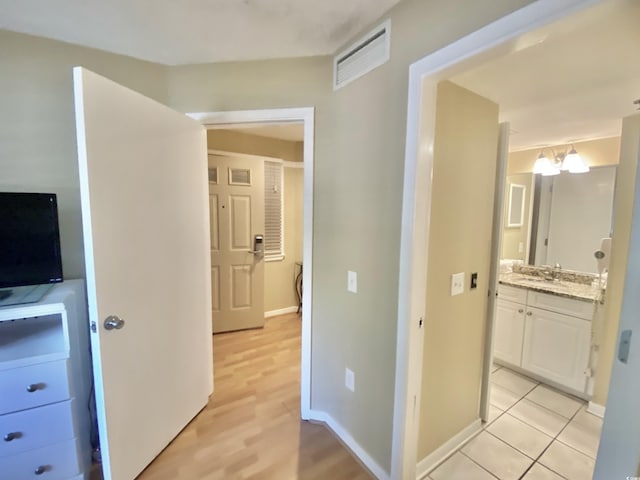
519 435
568 462
583 433
503 398
460 467
494 412
555 401
497 457
540 472
513 382
539 417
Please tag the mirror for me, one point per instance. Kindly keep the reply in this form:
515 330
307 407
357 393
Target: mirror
564 217
515 216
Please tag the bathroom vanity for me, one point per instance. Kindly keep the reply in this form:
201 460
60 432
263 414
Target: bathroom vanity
543 328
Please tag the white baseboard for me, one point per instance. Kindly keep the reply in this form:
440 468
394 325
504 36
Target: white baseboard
596 409
345 437
281 311
439 455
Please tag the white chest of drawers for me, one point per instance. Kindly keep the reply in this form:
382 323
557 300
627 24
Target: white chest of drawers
44 387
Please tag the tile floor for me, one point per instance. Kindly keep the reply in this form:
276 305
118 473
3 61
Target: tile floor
534 433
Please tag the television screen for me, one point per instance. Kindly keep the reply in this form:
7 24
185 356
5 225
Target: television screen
29 239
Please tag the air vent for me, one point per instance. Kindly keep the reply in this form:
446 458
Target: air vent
367 53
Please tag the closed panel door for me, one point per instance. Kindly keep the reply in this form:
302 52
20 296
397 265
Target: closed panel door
509 331
236 202
556 346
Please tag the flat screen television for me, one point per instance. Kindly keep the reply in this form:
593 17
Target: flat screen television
29 241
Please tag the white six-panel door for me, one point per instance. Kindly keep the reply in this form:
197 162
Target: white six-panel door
236 208
143 180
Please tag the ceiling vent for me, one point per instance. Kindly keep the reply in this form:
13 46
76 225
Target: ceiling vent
367 53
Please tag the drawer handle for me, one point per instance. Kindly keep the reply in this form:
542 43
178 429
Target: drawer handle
12 436
34 387
520 310
41 469
529 313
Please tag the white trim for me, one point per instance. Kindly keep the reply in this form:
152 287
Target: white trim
488 42
345 437
264 158
236 119
439 455
281 311
273 258
289 164
596 409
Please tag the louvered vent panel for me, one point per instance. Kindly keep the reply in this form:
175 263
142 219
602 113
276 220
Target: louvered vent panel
369 52
273 208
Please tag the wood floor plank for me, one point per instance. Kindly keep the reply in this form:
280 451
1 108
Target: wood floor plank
251 428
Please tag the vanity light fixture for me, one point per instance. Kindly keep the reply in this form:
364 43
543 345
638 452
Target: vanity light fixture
573 163
545 166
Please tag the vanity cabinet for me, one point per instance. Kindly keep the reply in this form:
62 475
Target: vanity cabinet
509 332
44 387
544 335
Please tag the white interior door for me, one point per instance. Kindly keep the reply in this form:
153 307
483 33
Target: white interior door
236 206
146 237
619 451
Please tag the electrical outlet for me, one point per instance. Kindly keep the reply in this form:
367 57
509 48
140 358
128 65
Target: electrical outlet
352 282
521 247
349 379
457 283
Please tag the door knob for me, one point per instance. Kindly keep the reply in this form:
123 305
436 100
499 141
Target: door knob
113 322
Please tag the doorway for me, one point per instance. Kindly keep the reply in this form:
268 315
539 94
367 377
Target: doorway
248 118
424 77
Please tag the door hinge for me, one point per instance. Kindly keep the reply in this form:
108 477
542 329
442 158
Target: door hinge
94 328
420 323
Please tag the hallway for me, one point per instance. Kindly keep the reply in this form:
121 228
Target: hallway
251 428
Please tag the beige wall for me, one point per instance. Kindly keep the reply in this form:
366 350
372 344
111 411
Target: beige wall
231 141
597 153
279 291
623 214
465 155
37 122
512 237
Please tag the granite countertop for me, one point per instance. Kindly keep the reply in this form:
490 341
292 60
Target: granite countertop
588 293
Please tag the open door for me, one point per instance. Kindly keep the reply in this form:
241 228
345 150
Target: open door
619 451
143 183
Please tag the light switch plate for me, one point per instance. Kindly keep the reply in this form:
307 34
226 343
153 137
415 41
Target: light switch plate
457 283
352 282
349 379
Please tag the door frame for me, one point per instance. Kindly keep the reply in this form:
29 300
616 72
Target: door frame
306 115
491 41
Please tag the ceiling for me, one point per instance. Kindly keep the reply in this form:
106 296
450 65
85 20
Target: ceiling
178 32
575 81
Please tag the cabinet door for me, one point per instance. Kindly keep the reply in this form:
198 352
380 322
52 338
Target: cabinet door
556 346
509 330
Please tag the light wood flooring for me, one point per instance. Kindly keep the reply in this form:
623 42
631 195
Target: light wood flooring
251 428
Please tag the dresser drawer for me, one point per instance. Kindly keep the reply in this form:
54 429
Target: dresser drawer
32 386
55 462
555 303
36 427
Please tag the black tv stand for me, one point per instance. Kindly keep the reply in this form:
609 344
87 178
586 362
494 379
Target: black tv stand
5 294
